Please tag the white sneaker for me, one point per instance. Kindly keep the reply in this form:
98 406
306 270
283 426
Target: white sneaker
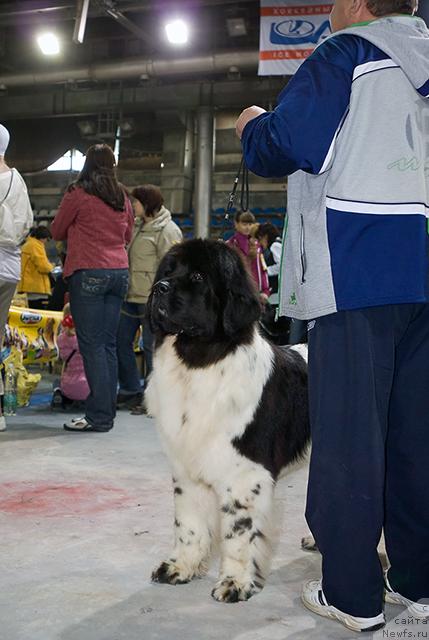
2 423
77 424
314 599
82 424
415 608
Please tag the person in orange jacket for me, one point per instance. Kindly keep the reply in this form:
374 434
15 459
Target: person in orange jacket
35 268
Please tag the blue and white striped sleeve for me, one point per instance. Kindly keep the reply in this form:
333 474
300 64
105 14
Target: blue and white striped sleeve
300 133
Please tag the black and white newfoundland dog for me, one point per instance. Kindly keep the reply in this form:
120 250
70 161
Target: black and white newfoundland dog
231 410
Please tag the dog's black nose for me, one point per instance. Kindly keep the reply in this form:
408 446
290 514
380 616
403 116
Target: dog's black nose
162 287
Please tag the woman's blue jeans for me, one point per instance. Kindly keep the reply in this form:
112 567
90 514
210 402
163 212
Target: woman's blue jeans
96 297
132 316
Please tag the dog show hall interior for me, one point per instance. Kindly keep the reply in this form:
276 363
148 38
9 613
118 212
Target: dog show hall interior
155 419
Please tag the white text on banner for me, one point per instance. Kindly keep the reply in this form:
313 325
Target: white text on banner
290 30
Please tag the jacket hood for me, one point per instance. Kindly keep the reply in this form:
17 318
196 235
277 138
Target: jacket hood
405 39
160 221
5 176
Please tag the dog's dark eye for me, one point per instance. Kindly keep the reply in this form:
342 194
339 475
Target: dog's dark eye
196 276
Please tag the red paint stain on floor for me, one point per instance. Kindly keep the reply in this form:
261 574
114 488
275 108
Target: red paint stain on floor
51 499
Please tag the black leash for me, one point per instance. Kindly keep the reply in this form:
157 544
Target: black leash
244 196
243 171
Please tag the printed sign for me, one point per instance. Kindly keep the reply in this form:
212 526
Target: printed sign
289 33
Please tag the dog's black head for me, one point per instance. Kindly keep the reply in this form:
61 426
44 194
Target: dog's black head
204 295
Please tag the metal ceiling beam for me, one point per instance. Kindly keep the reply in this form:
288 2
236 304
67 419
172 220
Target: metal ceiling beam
110 8
33 7
80 24
139 68
63 101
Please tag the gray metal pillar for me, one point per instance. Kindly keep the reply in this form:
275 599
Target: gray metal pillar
188 156
204 171
176 175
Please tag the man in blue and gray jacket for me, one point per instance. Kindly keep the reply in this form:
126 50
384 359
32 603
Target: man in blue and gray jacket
351 129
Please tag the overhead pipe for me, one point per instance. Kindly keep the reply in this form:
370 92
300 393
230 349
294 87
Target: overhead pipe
138 68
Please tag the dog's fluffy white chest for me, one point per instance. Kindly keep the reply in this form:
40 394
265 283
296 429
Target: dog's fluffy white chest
200 411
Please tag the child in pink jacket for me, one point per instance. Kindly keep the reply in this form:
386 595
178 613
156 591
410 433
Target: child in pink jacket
251 250
73 383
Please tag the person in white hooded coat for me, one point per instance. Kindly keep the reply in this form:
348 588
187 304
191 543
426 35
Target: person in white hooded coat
16 219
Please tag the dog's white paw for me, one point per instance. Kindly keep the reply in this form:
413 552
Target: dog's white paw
175 572
232 590
172 573
309 544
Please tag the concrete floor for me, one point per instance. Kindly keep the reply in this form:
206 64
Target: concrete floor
84 518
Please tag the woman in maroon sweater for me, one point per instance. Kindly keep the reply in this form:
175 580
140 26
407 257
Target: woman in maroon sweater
95 218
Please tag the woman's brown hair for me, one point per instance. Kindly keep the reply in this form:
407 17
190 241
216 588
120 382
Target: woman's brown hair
98 177
269 230
150 197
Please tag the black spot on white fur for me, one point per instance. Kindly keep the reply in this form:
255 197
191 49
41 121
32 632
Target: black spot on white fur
255 564
256 534
242 525
227 508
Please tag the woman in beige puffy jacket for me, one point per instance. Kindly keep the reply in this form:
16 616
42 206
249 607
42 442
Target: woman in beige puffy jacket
154 234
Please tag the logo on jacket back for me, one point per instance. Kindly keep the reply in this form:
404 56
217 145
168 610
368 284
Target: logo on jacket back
297 32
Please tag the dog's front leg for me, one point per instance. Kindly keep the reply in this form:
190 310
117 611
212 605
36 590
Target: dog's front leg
195 510
246 523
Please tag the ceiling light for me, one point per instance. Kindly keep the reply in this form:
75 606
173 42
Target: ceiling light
236 27
49 44
86 127
127 126
177 32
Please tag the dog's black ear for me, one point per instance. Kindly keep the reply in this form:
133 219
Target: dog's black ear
242 306
241 311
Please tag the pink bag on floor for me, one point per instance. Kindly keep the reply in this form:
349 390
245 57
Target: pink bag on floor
73 382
